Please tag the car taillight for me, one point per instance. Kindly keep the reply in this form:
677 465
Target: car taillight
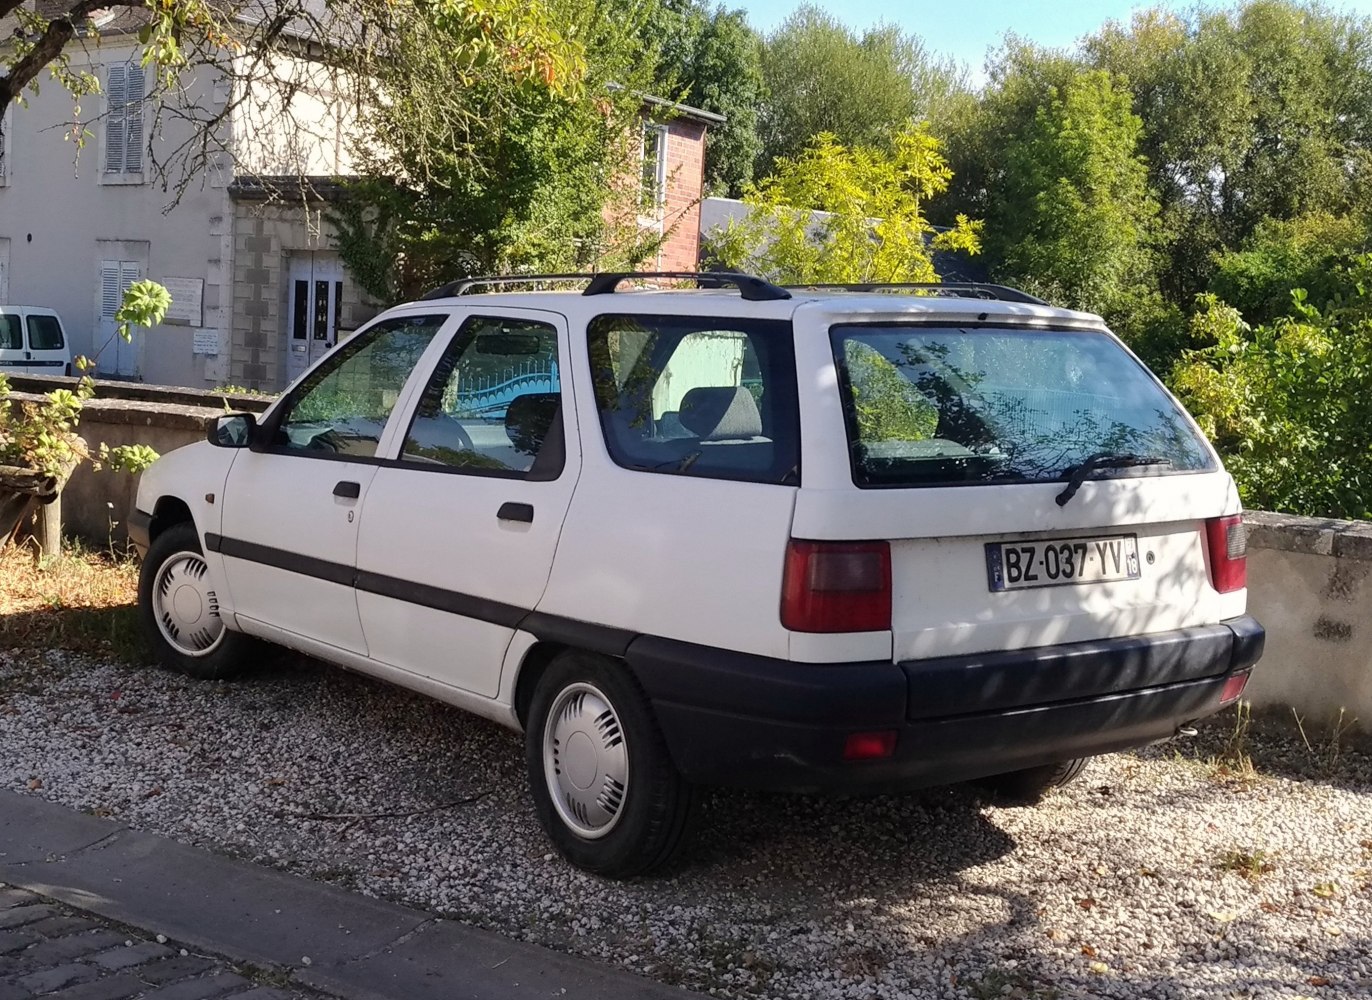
1233 687
1227 540
836 587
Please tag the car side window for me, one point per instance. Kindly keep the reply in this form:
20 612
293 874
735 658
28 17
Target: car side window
11 333
342 407
698 396
45 334
493 405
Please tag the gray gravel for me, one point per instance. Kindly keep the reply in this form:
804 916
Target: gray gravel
1156 875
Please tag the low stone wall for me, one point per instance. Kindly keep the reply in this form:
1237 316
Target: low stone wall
1308 583
95 505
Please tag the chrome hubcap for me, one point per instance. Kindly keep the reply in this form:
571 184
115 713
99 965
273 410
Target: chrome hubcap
186 608
585 760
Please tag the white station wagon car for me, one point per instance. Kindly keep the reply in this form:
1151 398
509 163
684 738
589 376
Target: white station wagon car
804 539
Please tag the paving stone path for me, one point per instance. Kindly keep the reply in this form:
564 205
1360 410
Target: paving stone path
52 951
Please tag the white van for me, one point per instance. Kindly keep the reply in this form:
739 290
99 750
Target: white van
33 342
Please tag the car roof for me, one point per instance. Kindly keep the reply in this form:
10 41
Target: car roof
16 307
824 305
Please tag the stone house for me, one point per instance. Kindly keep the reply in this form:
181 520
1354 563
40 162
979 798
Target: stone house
259 290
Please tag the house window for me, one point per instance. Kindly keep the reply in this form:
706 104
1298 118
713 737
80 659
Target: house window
653 182
124 92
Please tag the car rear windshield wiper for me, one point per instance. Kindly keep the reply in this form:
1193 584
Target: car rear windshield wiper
1103 460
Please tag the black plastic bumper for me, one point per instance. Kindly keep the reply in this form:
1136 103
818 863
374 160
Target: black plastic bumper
735 719
140 531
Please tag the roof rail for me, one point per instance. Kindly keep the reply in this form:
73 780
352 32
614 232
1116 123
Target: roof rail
464 285
751 288
962 289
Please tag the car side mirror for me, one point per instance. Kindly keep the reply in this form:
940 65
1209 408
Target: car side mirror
233 430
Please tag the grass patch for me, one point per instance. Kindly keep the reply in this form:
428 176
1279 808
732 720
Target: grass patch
82 601
1252 865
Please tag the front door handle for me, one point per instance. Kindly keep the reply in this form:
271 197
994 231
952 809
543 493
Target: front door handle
511 511
348 489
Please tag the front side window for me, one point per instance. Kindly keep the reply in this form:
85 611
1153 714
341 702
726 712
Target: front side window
11 333
342 406
698 396
493 405
45 334
944 406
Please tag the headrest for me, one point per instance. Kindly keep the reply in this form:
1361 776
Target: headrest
715 413
529 418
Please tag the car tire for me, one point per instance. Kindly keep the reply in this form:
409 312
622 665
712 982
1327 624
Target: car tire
603 784
180 610
1029 786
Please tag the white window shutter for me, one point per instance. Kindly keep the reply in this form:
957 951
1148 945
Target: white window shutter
133 117
129 272
110 293
116 96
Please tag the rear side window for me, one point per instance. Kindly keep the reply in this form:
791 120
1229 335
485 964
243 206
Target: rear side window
45 334
698 396
944 406
11 333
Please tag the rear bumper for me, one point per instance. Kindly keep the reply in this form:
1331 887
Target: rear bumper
736 719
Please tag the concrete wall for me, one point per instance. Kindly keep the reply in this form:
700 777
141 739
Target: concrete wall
1308 583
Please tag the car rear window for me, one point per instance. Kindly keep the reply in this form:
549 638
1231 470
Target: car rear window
937 406
45 334
709 397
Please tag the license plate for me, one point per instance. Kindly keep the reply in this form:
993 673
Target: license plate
1062 562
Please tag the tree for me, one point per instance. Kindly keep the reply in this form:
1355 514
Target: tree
505 175
822 77
841 214
1071 214
1289 403
712 59
1264 111
241 43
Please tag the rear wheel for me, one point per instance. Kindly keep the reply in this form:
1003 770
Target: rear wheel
603 784
180 609
1029 786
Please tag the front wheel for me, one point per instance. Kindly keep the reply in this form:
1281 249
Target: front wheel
179 609
604 787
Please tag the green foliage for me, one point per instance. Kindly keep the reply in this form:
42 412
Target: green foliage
132 458
873 226
145 304
1289 403
1071 215
503 176
1310 252
712 59
821 77
887 404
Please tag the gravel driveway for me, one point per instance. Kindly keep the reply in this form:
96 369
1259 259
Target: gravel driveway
1156 875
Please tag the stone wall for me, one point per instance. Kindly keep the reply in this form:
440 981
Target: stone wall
1308 583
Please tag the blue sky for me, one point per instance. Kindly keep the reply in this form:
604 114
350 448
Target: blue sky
966 30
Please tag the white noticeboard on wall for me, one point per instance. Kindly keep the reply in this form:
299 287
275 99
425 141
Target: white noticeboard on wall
187 296
205 342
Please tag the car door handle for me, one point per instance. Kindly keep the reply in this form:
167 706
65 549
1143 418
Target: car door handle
511 511
348 489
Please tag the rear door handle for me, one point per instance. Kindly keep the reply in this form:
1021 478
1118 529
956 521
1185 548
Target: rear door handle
511 511
348 489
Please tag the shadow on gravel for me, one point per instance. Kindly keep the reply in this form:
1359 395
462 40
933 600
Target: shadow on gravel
111 631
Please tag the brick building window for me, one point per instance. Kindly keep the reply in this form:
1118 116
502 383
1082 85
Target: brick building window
653 179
